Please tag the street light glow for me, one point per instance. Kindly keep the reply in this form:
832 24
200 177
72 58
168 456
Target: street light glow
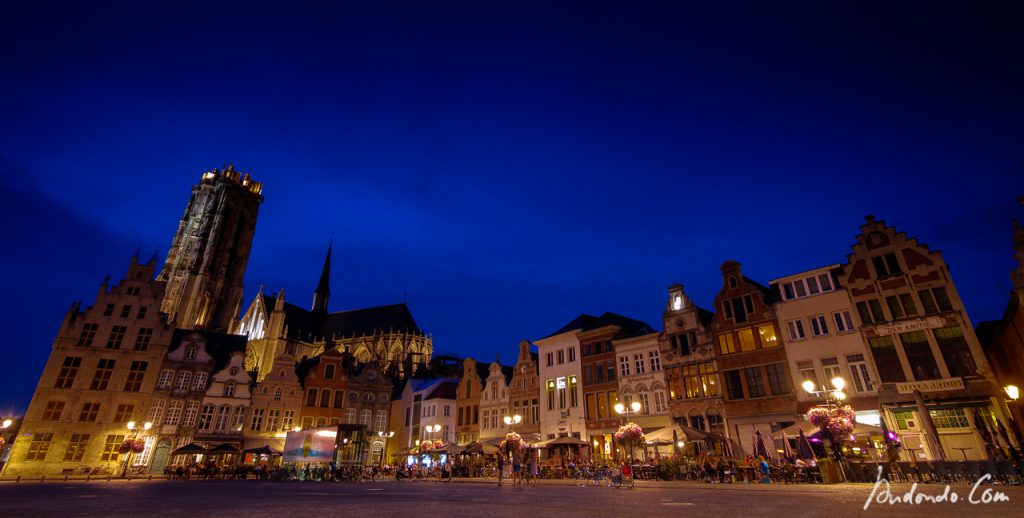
131 425
839 383
808 385
1012 391
7 422
840 395
147 425
620 408
635 406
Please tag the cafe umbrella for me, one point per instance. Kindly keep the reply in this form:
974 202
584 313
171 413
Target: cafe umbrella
759 447
804 446
787 451
727 447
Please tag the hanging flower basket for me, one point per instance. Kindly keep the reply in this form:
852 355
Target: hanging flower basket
134 446
838 421
426 446
512 442
629 433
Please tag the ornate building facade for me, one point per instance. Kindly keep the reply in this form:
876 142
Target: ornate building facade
751 359
101 374
524 393
690 365
385 334
467 420
275 407
206 262
932 370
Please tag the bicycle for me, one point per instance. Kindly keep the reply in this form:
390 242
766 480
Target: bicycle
582 477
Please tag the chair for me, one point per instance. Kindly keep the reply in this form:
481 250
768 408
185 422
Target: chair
924 469
973 470
939 471
988 467
956 471
906 470
1008 473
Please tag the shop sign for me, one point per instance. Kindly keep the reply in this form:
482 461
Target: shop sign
931 385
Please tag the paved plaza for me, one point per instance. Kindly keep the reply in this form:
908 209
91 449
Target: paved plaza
229 498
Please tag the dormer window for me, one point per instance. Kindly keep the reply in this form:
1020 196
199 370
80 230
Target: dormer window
229 389
329 371
190 352
732 282
677 302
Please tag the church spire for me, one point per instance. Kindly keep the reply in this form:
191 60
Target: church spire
323 288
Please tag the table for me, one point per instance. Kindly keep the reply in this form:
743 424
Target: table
963 451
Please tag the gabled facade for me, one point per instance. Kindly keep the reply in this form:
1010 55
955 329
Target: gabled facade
275 407
179 413
227 399
467 403
689 361
642 379
101 374
922 342
757 386
823 339
524 394
494 401
561 406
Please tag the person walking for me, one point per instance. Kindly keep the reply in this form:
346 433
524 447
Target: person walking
501 465
517 468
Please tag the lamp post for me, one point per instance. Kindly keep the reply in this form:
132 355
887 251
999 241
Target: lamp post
512 420
431 429
833 398
624 412
131 451
385 435
4 426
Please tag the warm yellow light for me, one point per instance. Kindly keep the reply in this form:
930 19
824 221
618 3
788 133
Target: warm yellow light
131 425
1012 391
840 395
7 422
839 383
635 406
147 425
297 429
808 385
620 408
680 443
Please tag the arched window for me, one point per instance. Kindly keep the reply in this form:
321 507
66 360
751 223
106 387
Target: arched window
277 395
184 377
350 416
190 352
696 419
382 420
229 389
366 418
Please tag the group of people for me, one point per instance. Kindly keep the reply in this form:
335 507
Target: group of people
515 460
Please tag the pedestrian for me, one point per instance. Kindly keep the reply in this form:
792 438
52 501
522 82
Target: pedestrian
517 466
766 474
501 465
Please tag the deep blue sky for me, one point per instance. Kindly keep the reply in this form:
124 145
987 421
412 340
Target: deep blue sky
510 166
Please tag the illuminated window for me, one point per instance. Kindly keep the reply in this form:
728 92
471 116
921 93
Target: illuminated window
111 448
746 339
726 345
768 338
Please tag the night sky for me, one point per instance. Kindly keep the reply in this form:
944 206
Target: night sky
509 166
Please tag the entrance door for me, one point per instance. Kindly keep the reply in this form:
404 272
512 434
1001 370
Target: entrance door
160 454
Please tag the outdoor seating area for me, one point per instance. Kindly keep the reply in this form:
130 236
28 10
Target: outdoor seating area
940 472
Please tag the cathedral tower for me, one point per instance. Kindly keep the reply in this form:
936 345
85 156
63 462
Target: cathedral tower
207 259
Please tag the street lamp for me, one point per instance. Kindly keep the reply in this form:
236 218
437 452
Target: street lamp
833 396
385 435
135 435
512 421
1012 391
432 429
8 422
624 412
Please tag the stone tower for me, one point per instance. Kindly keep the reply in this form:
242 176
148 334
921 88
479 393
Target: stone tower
207 259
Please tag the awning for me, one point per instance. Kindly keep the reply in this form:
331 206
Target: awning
190 449
262 450
810 429
478 448
566 441
691 434
224 449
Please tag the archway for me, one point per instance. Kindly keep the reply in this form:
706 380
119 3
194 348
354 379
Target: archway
160 455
